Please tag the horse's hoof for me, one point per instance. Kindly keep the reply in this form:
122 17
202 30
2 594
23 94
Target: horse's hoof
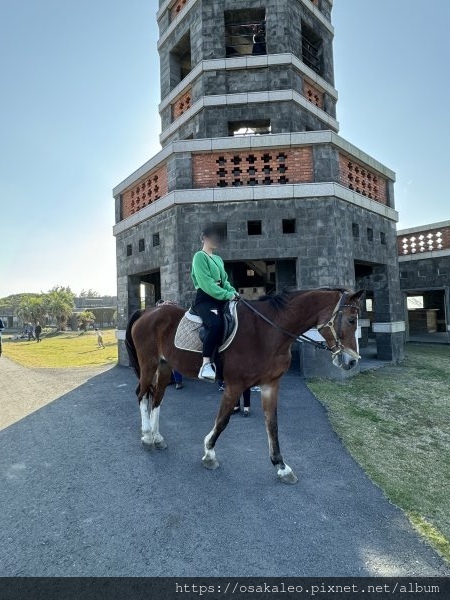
287 475
161 445
210 463
148 442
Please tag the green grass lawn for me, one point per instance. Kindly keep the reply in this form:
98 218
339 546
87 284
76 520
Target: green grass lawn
396 423
65 349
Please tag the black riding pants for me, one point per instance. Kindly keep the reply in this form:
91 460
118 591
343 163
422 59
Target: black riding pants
210 311
246 394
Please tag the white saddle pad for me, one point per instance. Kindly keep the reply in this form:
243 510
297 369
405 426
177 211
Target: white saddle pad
187 335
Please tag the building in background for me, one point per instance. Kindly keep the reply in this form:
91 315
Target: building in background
250 143
103 307
424 256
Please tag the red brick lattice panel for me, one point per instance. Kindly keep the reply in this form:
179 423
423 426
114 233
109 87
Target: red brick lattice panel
263 167
427 240
180 106
177 8
313 94
361 180
144 193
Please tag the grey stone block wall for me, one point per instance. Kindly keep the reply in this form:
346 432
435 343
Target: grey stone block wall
273 78
296 13
326 163
325 8
206 25
428 273
190 24
323 245
323 249
118 208
212 122
179 172
153 258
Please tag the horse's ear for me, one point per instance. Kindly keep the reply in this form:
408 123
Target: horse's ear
358 297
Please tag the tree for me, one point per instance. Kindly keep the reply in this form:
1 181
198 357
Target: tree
59 302
89 294
85 319
104 316
32 309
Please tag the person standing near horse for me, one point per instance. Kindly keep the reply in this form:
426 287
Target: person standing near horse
246 395
213 291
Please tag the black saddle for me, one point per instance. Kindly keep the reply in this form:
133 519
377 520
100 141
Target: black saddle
228 323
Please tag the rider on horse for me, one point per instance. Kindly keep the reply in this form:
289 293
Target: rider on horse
213 291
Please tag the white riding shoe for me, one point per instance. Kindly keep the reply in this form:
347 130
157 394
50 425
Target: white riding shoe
208 372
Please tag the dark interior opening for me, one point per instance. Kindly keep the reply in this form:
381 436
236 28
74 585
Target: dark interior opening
254 227
312 49
289 226
180 60
245 32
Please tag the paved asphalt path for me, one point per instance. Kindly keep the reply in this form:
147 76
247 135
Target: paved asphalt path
81 497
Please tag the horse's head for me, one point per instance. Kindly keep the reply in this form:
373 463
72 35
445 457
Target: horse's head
339 329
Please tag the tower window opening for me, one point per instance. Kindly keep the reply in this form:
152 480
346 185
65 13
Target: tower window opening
289 226
180 60
254 227
245 32
312 49
247 128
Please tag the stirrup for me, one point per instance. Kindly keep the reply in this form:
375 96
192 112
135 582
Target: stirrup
212 368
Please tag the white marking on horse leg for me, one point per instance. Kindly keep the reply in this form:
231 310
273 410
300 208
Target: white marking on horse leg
147 435
206 442
287 475
158 439
209 460
154 420
146 425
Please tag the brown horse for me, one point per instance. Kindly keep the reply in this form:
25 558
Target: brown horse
259 354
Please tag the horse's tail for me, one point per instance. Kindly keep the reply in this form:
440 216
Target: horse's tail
129 344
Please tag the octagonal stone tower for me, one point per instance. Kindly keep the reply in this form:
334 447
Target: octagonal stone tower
250 143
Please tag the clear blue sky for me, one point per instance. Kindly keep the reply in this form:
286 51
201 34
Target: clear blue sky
78 113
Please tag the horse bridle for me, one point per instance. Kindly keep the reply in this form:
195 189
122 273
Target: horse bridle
338 313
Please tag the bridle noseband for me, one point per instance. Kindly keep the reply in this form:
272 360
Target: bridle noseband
337 314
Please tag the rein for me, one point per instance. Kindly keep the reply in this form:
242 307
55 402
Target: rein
337 314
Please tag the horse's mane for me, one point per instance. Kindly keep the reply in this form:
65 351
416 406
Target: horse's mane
279 302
